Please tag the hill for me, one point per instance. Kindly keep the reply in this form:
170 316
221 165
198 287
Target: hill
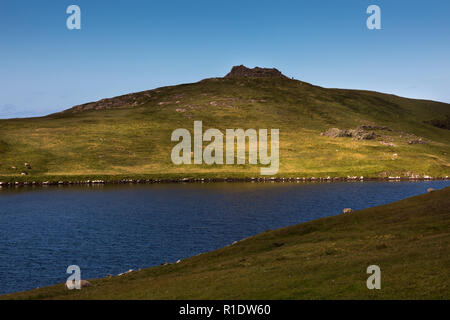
377 135
323 259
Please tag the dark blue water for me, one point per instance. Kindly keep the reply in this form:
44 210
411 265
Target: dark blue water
110 229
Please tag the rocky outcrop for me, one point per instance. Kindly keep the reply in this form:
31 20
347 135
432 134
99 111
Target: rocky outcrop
336 133
357 134
257 72
129 100
137 99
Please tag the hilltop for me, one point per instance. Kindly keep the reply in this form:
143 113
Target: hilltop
321 259
323 132
244 72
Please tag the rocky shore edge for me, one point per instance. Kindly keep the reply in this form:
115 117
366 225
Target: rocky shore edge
204 180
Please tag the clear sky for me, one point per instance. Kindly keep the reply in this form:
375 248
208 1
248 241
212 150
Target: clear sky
128 46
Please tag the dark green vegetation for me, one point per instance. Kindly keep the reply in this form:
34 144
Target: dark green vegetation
443 123
323 259
129 136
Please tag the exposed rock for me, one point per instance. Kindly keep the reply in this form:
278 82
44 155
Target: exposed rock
357 134
417 141
430 190
128 100
389 144
336 133
347 210
83 284
370 127
257 72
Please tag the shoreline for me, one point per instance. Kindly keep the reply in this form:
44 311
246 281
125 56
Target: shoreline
214 180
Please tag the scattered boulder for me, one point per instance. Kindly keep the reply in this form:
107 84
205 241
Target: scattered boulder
430 190
83 284
24 174
389 144
347 210
370 127
417 141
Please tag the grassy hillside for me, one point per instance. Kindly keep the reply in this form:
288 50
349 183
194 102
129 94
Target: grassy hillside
323 259
129 136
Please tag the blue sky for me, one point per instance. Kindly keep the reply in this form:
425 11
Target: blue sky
128 46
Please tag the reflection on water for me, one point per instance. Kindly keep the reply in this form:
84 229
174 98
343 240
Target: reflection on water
110 229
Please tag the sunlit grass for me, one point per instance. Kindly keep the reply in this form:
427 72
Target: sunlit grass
136 140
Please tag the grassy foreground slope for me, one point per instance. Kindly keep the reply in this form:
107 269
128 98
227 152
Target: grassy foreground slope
323 259
129 136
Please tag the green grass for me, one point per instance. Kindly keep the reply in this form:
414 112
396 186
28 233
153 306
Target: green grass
132 139
322 259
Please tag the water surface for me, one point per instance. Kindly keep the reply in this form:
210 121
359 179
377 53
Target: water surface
110 229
